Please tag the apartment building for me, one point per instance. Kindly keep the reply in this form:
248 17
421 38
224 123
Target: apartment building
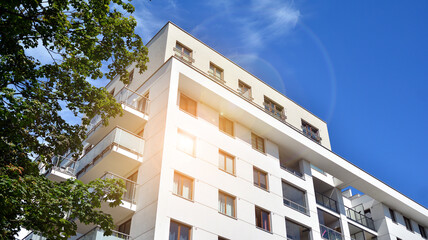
208 152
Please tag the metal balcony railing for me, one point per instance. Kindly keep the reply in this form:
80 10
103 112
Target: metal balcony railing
325 201
360 218
117 137
126 97
98 234
279 114
187 58
311 134
330 234
292 171
131 187
295 205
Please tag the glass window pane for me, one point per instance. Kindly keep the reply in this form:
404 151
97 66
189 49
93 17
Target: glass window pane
265 221
184 233
229 164
187 188
230 206
221 203
258 217
256 177
221 161
173 231
186 143
263 180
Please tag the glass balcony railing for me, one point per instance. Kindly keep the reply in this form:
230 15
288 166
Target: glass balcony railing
292 171
117 137
271 109
360 218
295 205
186 57
325 201
131 187
97 234
126 97
330 234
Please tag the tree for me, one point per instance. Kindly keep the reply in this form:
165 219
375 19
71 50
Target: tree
80 36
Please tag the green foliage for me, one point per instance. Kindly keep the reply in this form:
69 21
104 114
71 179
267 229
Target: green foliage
79 37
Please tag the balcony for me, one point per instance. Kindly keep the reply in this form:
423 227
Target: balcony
330 234
63 168
276 112
120 151
183 56
326 201
97 234
295 206
135 115
292 171
360 218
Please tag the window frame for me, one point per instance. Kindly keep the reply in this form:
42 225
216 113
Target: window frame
213 73
242 83
261 219
392 215
258 184
186 110
220 118
408 223
225 155
184 133
180 186
179 224
270 105
257 137
312 129
183 47
227 195
123 225
422 231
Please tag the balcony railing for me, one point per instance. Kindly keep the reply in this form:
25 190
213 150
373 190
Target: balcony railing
311 134
295 205
280 115
246 94
325 201
215 77
292 171
98 234
187 58
126 97
117 137
330 234
360 218
131 187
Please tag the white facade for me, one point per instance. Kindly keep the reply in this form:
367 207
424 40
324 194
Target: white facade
168 138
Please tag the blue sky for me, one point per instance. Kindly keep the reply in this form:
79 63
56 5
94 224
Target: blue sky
362 66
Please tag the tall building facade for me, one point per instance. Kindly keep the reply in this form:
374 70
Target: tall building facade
208 152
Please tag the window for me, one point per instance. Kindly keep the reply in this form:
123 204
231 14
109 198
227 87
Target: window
262 219
226 162
244 90
408 224
125 227
422 231
296 231
311 131
225 125
130 185
112 92
131 76
186 143
260 178
216 72
293 197
274 109
188 105
222 238
257 142
183 52
178 231
392 213
226 204
183 186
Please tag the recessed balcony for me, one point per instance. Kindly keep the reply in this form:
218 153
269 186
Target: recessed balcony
360 218
326 201
120 151
135 114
